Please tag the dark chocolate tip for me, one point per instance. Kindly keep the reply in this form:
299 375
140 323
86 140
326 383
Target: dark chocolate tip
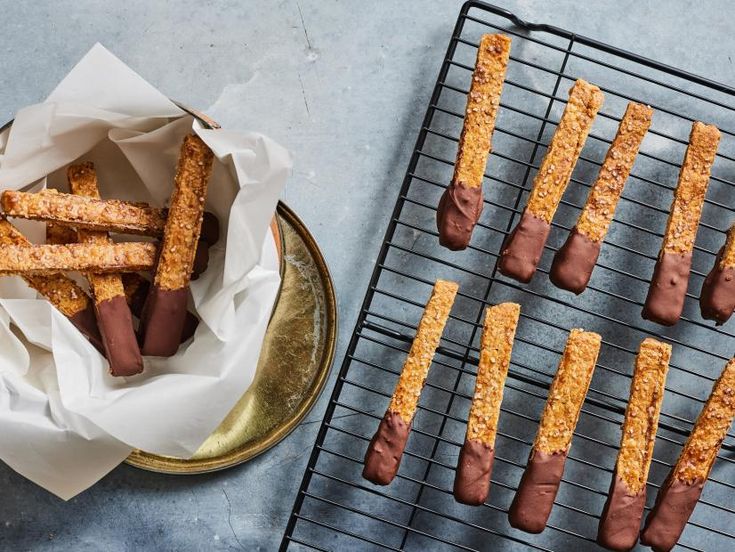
537 490
210 228
665 299
574 262
523 247
137 300
620 521
118 336
675 502
190 326
86 322
472 480
201 259
717 300
162 321
383 456
459 210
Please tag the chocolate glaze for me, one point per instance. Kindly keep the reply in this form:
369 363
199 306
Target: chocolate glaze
201 259
675 502
162 321
574 262
472 481
668 288
620 522
537 490
121 346
717 300
190 326
459 210
383 456
523 247
86 322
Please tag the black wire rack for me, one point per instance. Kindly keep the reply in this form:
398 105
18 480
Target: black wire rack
335 508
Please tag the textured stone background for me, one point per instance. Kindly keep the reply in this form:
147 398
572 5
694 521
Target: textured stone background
343 85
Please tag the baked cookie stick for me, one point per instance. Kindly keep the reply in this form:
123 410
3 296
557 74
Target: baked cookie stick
164 315
540 482
574 262
461 204
668 288
621 517
113 314
717 299
680 492
472 481
383 456
62 292
523 247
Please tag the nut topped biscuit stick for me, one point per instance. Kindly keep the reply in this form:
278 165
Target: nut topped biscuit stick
717 299
621 517
680 492
164 315
574 262
383 456
523 247
540 482
461 204
472 481
113 314
668 288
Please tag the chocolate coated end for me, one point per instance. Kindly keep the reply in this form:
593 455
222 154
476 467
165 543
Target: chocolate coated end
210 228
162 321
86 322
201 259
537 490
472 480
459 210
717 300
668 288
121 346
523 247
383 456
675 502
574 262
620 522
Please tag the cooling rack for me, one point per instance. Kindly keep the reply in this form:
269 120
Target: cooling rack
336 509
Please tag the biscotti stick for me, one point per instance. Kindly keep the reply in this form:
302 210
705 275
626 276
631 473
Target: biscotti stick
717 299
620 522
46 260
540 482
668 287
383 456
574 262
113 314
59 234
164 315
62 292
475 465
461 204
680 492
523 247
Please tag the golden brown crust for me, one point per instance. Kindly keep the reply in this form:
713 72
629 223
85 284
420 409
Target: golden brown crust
184 222
700 450
642 413
686 209
45 260
585 100
416 367
602 200
475 142
62 292
83 212
728 252
497 344
567 392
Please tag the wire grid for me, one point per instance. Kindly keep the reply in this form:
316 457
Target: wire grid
335 508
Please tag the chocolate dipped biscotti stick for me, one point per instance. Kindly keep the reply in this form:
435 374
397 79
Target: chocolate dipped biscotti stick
461 204
575 260
540 482
621 517
114 319
523 247
667 291
62 292
383 456
680 492
717 299
164 314
475 465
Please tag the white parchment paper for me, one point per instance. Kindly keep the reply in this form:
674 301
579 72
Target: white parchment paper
64 421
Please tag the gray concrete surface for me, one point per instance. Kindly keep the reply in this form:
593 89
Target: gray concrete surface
343 85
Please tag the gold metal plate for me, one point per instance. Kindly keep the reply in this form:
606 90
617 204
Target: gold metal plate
294 363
